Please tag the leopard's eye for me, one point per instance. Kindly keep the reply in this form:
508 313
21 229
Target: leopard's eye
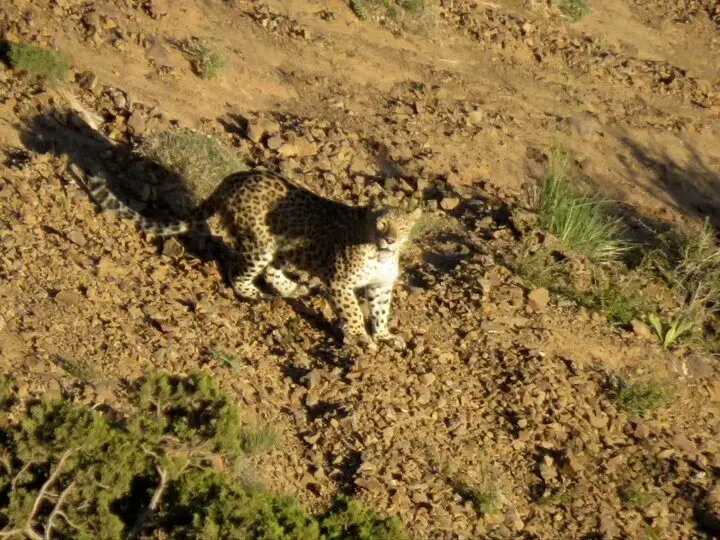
382 225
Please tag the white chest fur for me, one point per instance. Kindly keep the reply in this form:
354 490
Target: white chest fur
380 270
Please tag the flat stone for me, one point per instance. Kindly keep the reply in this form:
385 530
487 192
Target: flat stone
274 142
136 123
68 298
449 203
538 299
77 238
641 329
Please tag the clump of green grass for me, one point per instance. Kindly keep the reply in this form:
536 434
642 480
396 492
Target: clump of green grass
572 9
259 439
578 220
202 160
635 496
205 60
360 8
225 358
560 498
46 64
349 519
690 264
482 489
80 368
640 397
405 14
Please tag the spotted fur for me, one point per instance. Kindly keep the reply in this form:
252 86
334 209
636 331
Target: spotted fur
276 225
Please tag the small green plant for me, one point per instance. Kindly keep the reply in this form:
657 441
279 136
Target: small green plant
48 65
202 160
405 14
572 9
578 220
690 264
225 358
359 8
652 533
619 301
80 368
670 331
561 498
205 60
640 397
258 439
482 489
635 496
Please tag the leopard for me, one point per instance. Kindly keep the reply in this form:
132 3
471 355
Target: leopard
277 227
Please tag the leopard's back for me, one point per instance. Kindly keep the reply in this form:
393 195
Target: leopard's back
302 229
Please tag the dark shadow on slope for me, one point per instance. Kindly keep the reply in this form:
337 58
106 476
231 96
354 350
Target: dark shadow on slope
134 179
693 188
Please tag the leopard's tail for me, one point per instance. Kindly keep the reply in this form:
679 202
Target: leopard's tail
107 200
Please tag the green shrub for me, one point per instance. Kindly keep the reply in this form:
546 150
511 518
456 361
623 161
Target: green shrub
72 472
51 66
349 519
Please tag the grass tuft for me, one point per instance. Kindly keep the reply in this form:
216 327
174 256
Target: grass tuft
619 299
635 496
202 160
572 9
482 488
402 14
47 64
348 519
360 8
205 60
578 220
690 264
640 397
258 439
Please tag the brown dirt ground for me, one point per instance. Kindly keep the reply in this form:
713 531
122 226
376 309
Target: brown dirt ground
489 392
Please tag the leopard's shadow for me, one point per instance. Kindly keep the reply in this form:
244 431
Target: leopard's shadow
130 176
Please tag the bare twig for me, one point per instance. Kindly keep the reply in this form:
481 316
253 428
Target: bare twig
28 532
41 494
57 511
154 502
32 534
15 479
68 520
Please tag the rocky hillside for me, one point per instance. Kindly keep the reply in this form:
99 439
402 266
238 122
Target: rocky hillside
520 409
